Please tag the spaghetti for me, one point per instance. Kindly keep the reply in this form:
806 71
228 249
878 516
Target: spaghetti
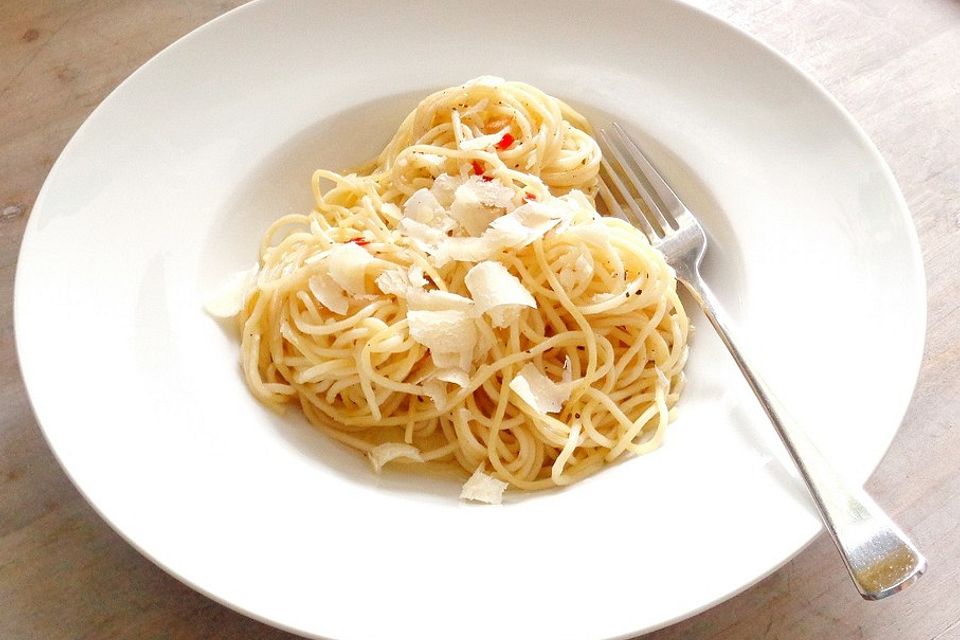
459 300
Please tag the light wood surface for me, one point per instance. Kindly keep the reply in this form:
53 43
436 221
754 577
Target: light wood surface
895 66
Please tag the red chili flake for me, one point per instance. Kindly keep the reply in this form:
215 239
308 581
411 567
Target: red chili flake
486 178
505 142
529 196
477 167
359 241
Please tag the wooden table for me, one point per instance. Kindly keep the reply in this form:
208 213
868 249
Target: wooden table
895 66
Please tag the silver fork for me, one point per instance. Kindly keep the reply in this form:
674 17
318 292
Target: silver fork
879 556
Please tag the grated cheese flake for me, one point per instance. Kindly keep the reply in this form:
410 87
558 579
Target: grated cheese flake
393 282
483 488
423 207
347 266
329 293
384 453
453 375
228 300
449 331
444 188
529 221
497 292
539 392
477 203
436 390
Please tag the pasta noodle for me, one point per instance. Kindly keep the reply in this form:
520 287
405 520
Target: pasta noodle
460 301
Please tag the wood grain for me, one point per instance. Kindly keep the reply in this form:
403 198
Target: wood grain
895 66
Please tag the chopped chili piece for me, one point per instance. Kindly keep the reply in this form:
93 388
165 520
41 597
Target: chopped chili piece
359 241
486 178
529 196
477 167
505 142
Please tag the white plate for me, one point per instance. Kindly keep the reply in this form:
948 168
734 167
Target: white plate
166 189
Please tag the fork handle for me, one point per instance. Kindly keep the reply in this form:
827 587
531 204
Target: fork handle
879 556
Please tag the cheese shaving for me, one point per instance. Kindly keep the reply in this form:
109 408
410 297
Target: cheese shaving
436 390
491 193
472 215
228 300
393 282
424 237
483 488
529 222
329 293
539 392
497 292
443 332
477 203
444 188
423 207
453 375
415 275
469 249
384 453
347 266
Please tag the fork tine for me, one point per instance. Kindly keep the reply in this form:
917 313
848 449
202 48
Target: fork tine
664 192
655 210
606 194
613 206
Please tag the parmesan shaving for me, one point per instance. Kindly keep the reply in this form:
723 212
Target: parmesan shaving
329 293
443 332
453 375
491 193
539 392
483 488
415 275
347 264
228 300
472 215
444 188
477 203
393 282
384 453
469 249
425 237
423 207
452 359
497 292
436 390
532 220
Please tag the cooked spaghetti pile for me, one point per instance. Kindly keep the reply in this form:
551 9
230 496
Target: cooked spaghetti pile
460 300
